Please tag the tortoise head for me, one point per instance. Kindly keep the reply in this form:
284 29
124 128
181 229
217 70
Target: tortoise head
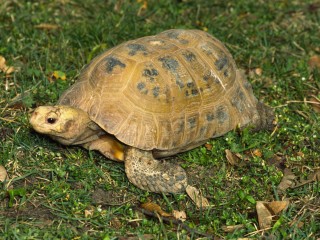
63 123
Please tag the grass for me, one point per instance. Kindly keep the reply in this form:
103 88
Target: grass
68 193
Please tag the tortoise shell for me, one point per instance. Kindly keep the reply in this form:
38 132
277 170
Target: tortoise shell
163 92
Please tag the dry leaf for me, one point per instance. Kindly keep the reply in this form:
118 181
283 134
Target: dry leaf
4 68
88 213
314 62
57 75
144 6
257 153
180 215
287 180
197 198
300 154
47 26
264 215
297 224
232 158
277 206
258 71
115 223
3 174
315 176
267 210
315 103
140 237
153 207
208 146
232 228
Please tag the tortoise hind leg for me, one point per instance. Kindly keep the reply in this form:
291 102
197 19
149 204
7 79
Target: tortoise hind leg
154 175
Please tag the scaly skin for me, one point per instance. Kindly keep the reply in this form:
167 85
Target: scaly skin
154 175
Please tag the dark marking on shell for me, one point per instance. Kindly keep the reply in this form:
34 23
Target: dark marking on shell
167 92
142 87
238 100
192 122
112 62
187 93
207 75
221 63
210 117
247 85
194 91
226 73
156 91
179 83
180 128
203 130
222 114
173 34
169 63
172 65
189 56
150 72
183 41
135 48
206 49
190 84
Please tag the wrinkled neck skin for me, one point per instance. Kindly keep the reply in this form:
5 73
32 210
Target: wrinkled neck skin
87 133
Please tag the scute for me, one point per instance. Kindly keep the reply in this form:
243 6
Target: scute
169 92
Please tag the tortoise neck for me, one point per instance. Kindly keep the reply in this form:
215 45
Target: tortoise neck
89 134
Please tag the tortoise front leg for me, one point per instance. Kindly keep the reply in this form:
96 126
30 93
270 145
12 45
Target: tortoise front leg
109 146
154 175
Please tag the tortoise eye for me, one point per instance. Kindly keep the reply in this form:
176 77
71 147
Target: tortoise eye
51 120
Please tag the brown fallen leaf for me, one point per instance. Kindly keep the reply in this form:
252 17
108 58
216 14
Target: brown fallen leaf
264 215
300 154
314 62
233 159
143 7
232 228
196 197
208 146
267 210
88 213
287 180
47 26
257 153
4 68
315 103
115 223
180 215
140 237
258 71
153 207
3 174
275 207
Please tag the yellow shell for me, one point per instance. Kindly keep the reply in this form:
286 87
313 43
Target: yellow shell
171 91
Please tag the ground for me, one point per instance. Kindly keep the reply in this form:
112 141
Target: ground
57 192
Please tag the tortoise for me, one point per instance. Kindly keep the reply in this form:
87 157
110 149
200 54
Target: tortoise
154 97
